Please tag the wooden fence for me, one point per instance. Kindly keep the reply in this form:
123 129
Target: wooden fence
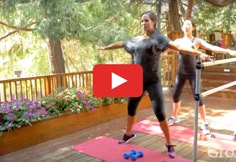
37 87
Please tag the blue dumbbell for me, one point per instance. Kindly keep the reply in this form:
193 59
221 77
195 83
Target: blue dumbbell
128 154
135 156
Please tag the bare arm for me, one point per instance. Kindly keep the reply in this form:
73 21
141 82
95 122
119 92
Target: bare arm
187 50
112 46
204 45
231 52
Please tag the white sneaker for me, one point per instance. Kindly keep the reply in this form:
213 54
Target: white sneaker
205 129
173 120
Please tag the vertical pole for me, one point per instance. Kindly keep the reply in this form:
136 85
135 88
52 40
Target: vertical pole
197 101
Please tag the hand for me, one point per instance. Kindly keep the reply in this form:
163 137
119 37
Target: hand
206 57
231 52
101 48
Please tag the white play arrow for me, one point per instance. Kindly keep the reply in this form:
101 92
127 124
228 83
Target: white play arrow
116 80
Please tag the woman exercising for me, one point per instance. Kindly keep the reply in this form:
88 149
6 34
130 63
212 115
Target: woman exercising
146 51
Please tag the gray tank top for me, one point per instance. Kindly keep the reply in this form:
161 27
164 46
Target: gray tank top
187 63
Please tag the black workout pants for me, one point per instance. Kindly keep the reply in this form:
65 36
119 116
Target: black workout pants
156 96
179 84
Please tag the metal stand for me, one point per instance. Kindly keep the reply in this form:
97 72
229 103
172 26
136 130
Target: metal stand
199 66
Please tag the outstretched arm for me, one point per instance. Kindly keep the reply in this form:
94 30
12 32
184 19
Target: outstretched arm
204 45
231 52
112 46
188 50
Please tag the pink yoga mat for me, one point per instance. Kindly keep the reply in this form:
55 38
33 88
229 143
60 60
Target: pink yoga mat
108 149
183 134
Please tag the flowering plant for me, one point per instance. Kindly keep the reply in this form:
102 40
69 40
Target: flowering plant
16 113
70 100
74 100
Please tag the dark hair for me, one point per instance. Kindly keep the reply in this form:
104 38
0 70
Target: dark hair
194 25
151 15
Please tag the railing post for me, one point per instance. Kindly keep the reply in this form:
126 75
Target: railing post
47 86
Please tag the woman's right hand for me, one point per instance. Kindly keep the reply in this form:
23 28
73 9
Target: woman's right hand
101 48
112 46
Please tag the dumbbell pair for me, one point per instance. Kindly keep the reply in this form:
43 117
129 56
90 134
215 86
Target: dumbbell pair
133 155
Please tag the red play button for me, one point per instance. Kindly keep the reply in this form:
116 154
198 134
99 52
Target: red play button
117 80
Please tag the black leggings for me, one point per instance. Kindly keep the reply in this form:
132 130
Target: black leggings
179 84
156 96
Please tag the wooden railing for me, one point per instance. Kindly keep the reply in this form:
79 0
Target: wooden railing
221 57
168 69
37 87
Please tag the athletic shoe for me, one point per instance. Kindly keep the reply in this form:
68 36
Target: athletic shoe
173 120
205 129
171 151
126 139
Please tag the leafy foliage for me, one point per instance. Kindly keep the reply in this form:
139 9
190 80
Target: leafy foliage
74 100
104 27
92 22
25 52
61 19
70 100
210 19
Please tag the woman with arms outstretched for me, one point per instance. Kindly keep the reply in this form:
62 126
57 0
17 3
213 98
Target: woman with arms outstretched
187 71
146 51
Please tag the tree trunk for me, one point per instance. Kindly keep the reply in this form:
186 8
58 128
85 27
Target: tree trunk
189 9
174 30
220 3
57 61
173 16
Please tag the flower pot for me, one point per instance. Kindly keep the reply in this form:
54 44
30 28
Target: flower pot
59 126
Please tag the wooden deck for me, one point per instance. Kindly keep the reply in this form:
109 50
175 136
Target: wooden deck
220 111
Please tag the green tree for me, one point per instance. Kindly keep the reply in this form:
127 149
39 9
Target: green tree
94 21
210 18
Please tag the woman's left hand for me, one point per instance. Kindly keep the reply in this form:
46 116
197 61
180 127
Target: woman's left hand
205 57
